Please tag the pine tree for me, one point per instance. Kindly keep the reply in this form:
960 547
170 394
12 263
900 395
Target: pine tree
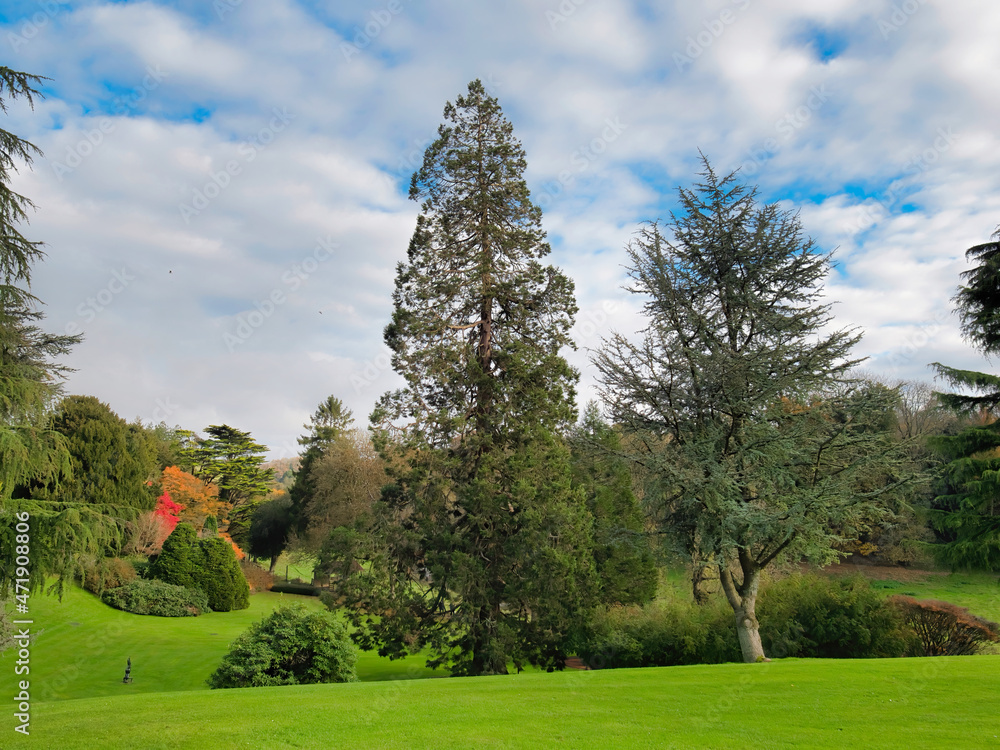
738 400
482 548
328 422
966 513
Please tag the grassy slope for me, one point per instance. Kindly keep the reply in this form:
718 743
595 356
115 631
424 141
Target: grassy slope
978 592
912 703
83 644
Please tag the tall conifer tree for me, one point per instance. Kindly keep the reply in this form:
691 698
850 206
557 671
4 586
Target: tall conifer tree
485 551
966 513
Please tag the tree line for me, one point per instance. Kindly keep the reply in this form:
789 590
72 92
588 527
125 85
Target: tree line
477 517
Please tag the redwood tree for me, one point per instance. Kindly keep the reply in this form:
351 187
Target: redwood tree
482 546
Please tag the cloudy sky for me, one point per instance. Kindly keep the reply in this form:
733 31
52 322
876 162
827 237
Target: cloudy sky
223 190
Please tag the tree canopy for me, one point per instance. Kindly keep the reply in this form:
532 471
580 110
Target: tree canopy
738 394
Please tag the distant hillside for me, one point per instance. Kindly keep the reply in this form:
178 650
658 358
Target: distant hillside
284 470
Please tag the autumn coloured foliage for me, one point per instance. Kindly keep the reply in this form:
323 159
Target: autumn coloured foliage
198 499
168 512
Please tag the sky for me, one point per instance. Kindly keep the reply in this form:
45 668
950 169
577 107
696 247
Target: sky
223 191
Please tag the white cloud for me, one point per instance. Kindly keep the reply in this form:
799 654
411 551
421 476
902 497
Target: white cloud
354 126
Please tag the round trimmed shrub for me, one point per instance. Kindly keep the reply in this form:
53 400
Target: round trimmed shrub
206 564
143 597
291 646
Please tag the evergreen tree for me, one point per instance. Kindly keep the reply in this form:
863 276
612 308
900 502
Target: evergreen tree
738 400
330 421
230 459
113 463
30 377
966 512
207 564
219 575
32 453
269 525
482 545
624 561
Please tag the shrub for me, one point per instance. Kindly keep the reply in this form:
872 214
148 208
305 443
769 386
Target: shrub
206 564
157 598
818 617
291 646
803 616
257 578
220 577
660 634
97 576
177 562
944 629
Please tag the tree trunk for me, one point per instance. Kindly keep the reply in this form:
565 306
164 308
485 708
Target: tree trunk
487 657
743 600
274 564
748 631
697 579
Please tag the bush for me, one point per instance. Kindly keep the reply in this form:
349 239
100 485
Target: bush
803 616
257 578
97 576
818 617
178 560
206 564
661 634
291 646
219 575
157 598
943 629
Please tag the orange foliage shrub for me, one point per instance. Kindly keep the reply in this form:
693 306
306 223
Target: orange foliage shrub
200 500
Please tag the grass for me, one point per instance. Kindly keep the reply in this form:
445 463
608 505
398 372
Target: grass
886 703
82 645
977 592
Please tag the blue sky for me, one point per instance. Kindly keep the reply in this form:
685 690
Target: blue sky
223 191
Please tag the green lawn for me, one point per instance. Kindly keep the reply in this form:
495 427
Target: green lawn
949 702
82 645
977 592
